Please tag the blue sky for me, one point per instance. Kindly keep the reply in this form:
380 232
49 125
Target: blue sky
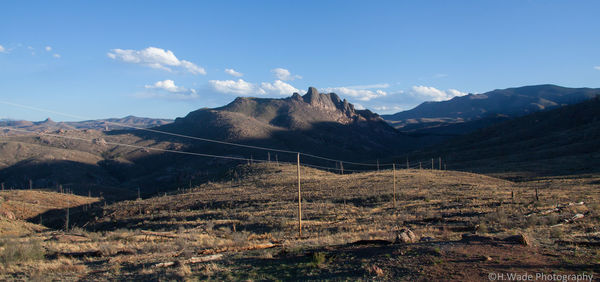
163 59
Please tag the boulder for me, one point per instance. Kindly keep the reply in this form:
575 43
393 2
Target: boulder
519 239
406 236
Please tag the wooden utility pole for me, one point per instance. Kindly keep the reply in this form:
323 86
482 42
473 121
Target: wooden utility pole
342 167
299 198
394 174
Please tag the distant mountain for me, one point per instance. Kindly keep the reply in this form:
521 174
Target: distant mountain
100 124
564 140
511 102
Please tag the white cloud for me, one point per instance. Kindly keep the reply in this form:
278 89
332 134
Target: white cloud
48 48
56 56
234 73
434 94
283 74
155 58
2 50
596 67
388 108
239 87
168 89
360 94
278 87
242 87
168 85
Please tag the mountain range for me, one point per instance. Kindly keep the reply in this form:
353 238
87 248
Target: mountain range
464 114
100 124
314 123
469 132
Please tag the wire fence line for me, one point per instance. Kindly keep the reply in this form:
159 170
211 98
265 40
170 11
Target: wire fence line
250 160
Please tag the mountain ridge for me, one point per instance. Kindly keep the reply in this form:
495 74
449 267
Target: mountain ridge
515 101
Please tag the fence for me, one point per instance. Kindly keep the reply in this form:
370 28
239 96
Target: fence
335 165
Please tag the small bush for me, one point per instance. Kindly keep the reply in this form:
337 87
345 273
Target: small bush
318 258
15 251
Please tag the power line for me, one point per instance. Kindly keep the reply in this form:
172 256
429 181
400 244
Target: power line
167 150
193 137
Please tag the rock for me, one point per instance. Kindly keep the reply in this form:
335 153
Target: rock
577 216
9 215
518 239
406 236
100 141
374 269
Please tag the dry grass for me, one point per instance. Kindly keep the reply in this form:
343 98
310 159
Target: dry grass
258 207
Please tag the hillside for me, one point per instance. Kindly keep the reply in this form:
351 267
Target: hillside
559 141
245 227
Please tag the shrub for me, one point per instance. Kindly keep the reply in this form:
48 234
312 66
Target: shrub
318 258
15 251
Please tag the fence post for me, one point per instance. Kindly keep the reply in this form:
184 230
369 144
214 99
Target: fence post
276 160
269 157
342 167
420 167
299 198
407 163
30 184
67 218
394 174
377 165
440 162
431 163
2 184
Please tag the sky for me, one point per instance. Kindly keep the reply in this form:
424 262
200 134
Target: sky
100 59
